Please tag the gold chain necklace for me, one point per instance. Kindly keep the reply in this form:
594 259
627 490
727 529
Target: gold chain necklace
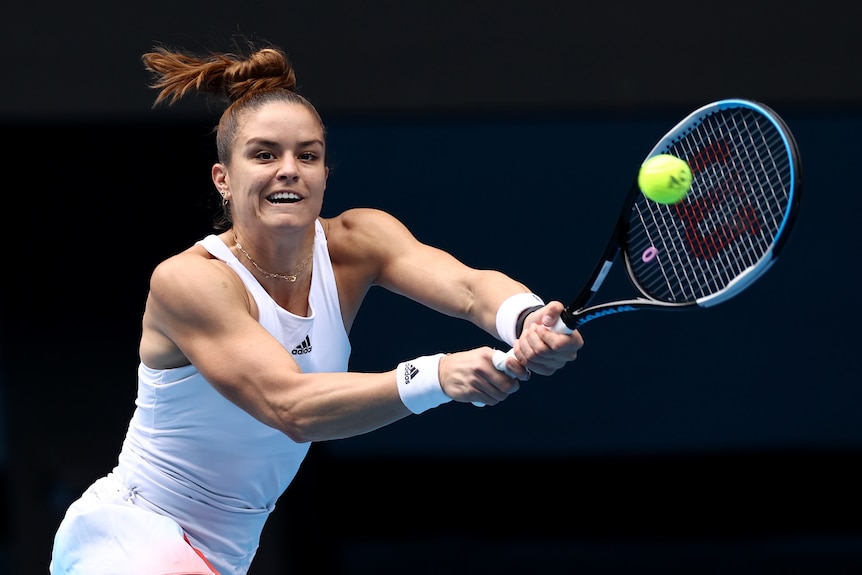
289 277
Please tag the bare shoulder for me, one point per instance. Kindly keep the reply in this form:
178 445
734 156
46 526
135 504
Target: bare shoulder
364 231
362 243
186 265
194 276
360 218
192 296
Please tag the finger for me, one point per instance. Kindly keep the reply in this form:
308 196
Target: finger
504 361
500 360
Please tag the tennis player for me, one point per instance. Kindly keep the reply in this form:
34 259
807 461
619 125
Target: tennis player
244 347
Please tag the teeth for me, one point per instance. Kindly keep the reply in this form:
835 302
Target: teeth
284 196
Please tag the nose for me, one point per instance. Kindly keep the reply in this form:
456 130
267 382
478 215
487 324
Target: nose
288 169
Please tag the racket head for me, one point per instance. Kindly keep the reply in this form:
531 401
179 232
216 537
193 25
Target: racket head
735 220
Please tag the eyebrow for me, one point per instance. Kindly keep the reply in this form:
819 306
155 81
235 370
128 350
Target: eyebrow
273 144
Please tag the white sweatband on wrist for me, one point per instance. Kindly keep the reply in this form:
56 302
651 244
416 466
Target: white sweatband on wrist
510 309
419 383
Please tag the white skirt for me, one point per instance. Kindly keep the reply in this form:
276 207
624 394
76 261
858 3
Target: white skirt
104 533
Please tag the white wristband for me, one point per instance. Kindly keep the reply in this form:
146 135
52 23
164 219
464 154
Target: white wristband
419 383
507 315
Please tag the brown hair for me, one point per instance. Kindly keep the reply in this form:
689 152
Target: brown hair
247 82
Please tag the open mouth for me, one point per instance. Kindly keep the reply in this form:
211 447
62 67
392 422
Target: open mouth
283 198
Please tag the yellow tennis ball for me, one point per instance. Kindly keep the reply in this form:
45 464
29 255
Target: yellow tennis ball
665 179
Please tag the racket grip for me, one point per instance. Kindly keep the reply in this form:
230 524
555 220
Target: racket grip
499 358
561 327
499 361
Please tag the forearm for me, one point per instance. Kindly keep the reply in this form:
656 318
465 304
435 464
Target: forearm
325 406
501 305
320 407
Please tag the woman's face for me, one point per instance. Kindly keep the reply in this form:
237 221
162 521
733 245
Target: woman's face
277 173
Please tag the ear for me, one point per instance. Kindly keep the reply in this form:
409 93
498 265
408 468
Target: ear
220 179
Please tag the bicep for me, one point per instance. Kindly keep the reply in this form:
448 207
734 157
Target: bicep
372 248
204 310
376 247
399 262
439 280
432 277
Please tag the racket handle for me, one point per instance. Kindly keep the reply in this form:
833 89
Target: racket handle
560 326
499 361
499 358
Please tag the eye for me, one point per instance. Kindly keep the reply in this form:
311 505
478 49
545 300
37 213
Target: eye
307 156
265 155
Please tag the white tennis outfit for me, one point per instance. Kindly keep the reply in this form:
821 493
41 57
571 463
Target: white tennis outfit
197 475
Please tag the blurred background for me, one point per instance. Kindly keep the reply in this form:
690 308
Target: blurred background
506 133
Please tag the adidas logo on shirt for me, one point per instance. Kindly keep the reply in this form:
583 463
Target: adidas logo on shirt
303 348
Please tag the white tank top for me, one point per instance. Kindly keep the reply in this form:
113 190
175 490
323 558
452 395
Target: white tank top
191 454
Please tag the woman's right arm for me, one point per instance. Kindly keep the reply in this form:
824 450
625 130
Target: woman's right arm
199 308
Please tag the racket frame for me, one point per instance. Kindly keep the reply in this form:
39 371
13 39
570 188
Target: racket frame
579 311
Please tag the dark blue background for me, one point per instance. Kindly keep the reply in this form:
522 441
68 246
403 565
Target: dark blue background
745 415
723 442
772 369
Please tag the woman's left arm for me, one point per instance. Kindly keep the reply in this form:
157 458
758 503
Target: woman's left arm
397 261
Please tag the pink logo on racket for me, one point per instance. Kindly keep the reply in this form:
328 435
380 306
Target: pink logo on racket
649 254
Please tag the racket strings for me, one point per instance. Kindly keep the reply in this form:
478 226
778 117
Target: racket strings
731 217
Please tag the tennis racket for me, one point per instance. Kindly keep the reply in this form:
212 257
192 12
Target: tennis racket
728 230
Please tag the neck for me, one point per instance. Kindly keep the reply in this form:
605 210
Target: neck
290 277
